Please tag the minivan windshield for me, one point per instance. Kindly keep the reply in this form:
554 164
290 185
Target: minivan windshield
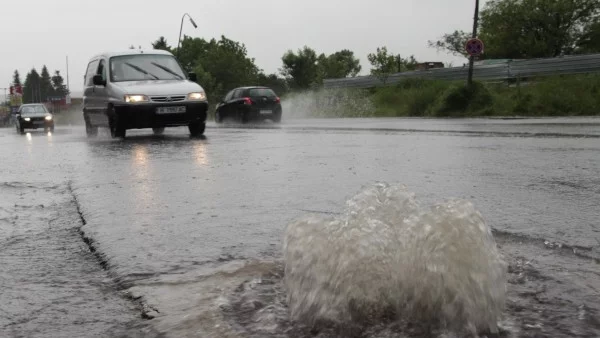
33 110
141 67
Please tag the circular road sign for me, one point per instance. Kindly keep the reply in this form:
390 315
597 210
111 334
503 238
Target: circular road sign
474 47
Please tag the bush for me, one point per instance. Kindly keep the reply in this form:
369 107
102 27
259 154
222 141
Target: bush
411 97
460 99
552 96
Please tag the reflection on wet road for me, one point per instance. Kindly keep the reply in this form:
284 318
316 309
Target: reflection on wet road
181 223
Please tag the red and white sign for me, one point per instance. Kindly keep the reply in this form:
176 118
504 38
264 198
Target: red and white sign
474 47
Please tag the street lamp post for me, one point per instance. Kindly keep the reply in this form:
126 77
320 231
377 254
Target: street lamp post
472 58
181 28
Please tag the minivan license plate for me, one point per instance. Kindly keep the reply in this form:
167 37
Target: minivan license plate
170 110
266 112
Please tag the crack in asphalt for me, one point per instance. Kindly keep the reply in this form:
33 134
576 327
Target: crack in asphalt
146 310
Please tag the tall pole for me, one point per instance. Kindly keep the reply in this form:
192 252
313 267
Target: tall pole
472 58
67 72
181 29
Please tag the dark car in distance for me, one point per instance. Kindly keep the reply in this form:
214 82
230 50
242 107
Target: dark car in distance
249 103
34 116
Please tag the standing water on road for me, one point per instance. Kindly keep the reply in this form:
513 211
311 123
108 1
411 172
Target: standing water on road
192 231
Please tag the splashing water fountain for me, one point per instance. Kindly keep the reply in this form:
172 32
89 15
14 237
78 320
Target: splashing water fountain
387 257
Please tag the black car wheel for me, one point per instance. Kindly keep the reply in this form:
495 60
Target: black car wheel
158 131
197 128
218 117
90 130
117 130
277 118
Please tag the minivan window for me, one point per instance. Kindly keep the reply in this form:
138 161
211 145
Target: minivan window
102 70
255 92
141 67
91 71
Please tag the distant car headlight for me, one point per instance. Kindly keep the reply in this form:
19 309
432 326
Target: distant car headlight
27 119
48 118
136 98
199 96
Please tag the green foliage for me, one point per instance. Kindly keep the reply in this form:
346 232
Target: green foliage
590 39
58 86
412 97
552 96
161 43
278 84
515 29
225 65
385 64
301 68
31 90
339 65
16 78
559 96
46 88
460 99
453 43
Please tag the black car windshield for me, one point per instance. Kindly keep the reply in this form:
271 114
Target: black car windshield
33 110
256 92
141 67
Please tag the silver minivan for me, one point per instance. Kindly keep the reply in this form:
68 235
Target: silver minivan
141 89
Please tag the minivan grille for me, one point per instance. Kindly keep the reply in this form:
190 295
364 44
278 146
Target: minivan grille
176 98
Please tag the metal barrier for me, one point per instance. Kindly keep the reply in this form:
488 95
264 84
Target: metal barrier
574 64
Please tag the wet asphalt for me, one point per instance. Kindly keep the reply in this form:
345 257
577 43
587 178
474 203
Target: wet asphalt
102 237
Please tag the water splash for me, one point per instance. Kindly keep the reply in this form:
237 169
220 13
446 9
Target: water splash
437 266
328 103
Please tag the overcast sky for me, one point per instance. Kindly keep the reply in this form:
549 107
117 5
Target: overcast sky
37 32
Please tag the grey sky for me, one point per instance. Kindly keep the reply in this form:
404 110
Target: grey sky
37 32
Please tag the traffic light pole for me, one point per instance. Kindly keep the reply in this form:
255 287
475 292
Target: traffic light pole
472 58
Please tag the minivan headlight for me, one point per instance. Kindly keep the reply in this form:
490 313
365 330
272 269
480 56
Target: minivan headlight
199 96
48 117
136 98
27 119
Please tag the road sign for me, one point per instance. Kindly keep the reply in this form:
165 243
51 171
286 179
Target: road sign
474 47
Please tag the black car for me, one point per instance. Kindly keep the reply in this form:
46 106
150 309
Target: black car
249 103
34 116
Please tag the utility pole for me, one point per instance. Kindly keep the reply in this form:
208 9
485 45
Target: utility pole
472 58
68 73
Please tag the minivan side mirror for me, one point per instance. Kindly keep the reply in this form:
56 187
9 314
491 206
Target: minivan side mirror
98 81
192 77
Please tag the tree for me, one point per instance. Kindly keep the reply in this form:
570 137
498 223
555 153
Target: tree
530 28
58 85
278 84
161 44
590 39
46 89
301 69
385 64
191 49
339 65
31 90
16 78
454 43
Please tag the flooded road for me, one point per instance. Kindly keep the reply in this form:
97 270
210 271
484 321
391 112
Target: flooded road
188 233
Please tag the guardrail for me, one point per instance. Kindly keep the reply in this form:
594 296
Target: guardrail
574 64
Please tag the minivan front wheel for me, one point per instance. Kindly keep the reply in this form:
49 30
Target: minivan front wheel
90 130
197 128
